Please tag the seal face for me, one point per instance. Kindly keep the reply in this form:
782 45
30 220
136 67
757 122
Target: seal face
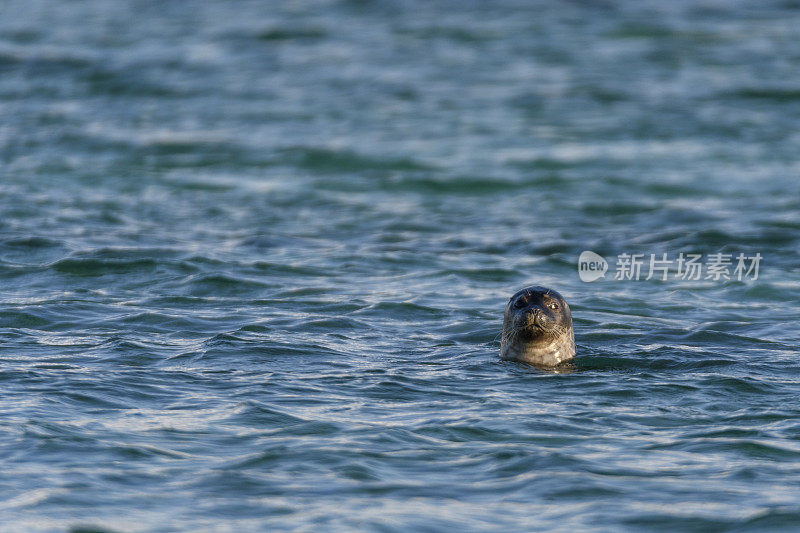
537 328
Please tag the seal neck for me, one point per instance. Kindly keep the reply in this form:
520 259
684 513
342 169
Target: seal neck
559 350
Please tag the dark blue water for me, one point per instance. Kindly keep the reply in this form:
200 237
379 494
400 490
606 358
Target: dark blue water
254 258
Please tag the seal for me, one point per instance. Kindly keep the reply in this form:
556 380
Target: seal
537 328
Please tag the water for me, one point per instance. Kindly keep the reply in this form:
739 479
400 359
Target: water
254 257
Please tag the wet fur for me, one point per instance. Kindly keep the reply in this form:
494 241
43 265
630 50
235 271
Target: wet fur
548 342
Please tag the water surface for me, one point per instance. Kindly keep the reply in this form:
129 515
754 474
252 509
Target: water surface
254 257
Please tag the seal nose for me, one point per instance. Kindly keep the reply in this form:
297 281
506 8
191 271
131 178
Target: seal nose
533 314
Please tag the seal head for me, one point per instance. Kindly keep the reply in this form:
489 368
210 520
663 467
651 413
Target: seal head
537 328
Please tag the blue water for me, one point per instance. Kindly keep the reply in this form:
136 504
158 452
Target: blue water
254 258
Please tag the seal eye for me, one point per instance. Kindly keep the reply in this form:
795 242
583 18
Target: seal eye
552 305
519 303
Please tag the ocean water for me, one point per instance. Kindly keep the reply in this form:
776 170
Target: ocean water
254 258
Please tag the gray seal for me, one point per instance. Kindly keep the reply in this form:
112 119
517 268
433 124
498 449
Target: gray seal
537 328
